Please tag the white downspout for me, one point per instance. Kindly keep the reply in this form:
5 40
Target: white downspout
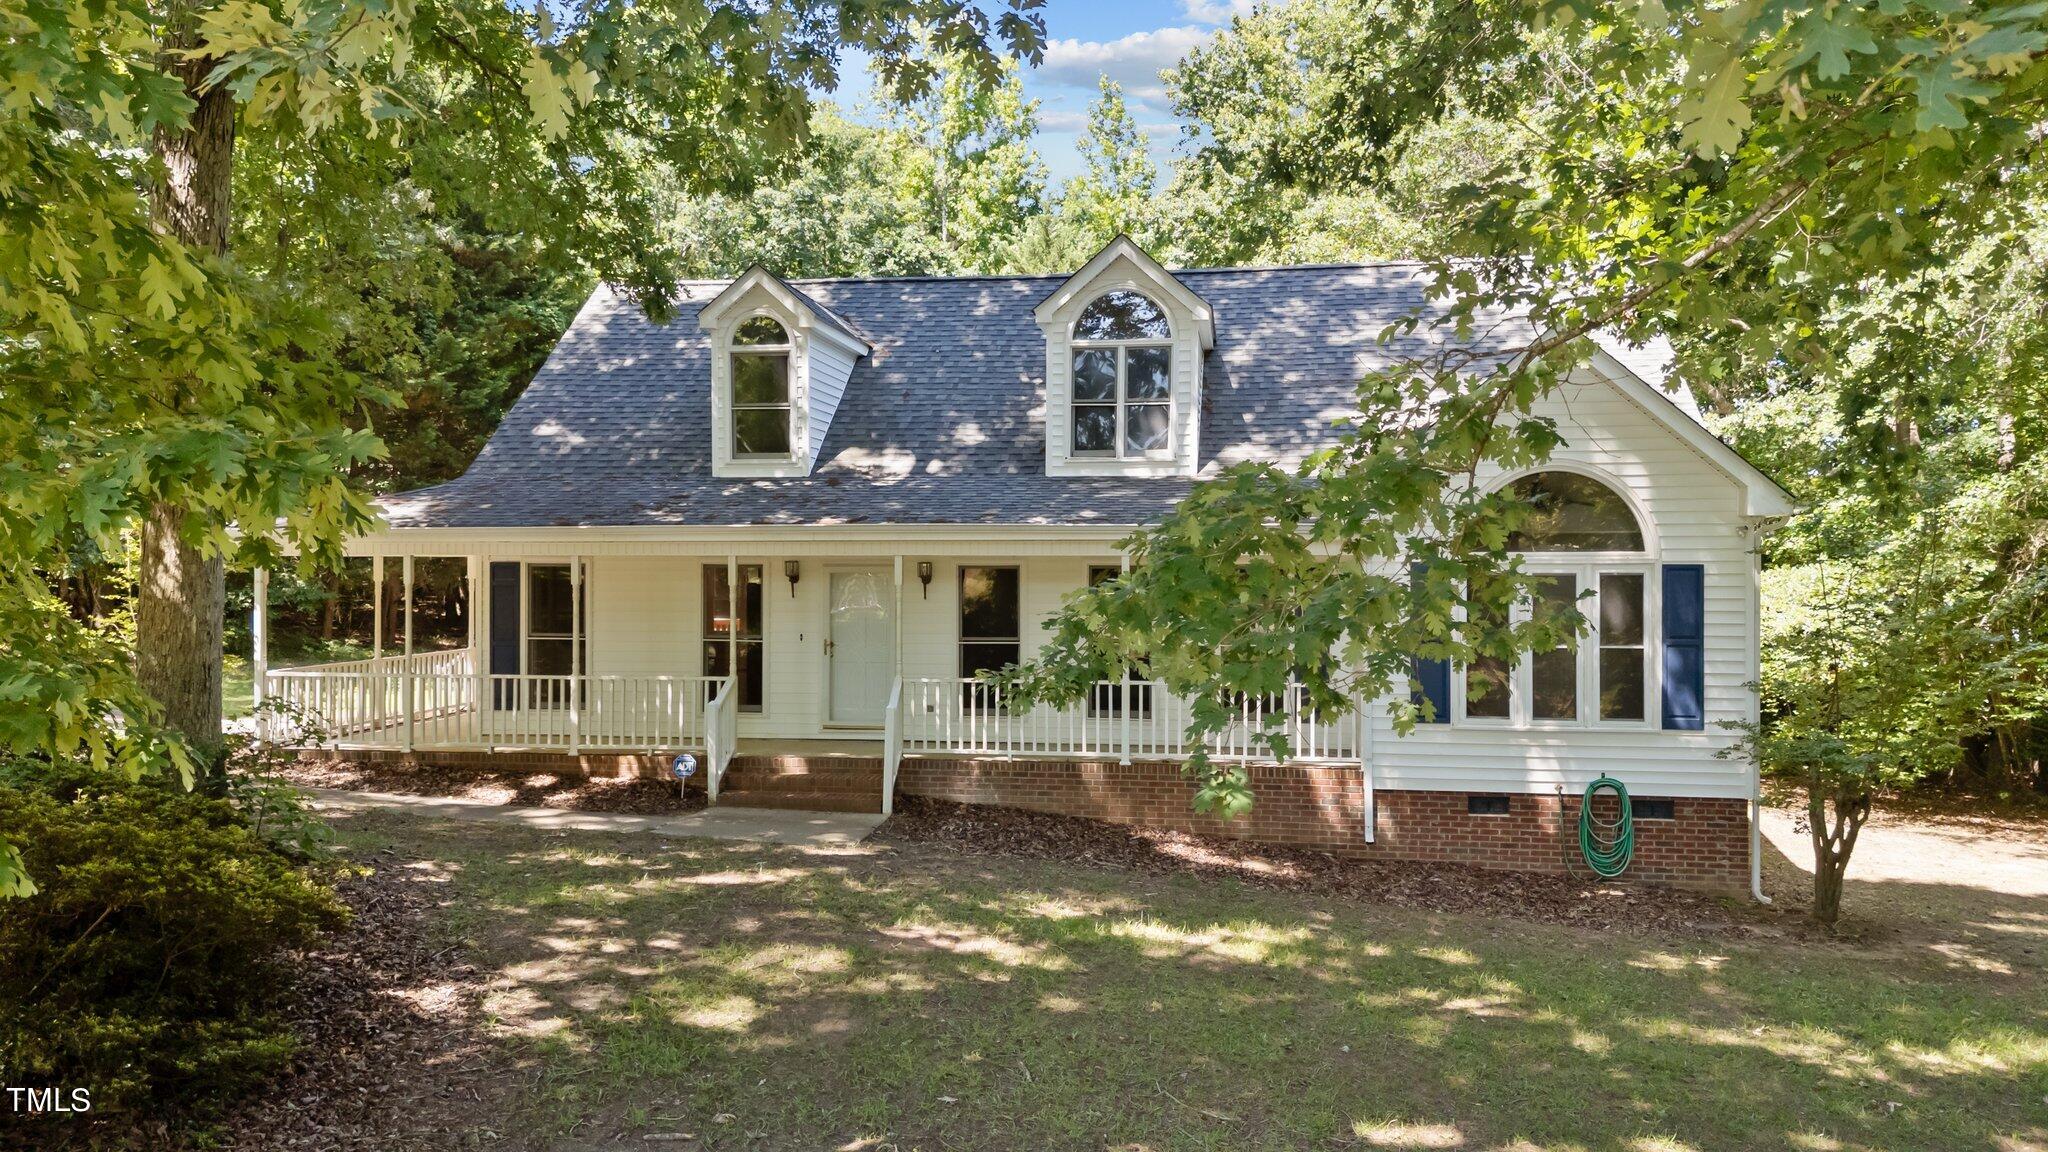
1756 672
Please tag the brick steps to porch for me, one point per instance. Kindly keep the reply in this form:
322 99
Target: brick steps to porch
814 784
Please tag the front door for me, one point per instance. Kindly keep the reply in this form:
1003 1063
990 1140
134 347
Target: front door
860 645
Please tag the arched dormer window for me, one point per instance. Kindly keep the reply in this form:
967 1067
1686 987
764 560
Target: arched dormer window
1601 677
1123 378
760 389
1573 513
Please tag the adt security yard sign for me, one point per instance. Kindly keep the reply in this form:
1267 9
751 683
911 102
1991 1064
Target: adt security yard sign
684 767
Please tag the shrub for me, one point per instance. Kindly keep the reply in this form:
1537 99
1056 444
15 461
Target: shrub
149 966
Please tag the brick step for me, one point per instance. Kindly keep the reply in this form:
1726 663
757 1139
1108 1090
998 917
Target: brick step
819 801
802 764
800 786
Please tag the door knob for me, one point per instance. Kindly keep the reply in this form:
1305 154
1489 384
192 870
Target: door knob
828 647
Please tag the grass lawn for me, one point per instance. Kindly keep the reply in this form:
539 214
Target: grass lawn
763 998
238 678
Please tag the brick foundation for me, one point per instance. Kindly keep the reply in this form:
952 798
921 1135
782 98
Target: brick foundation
1705 845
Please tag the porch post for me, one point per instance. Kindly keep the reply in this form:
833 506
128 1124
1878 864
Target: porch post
1129 702
899 617
259 636
377 607
732 624
405 666
575 655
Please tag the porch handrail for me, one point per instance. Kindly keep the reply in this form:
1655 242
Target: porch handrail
721 735
892 745
1135 719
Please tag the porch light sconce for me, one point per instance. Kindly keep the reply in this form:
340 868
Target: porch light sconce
924 577
789 569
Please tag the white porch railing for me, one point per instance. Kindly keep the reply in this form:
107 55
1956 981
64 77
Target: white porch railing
1134 720
721 735
892 745
363 704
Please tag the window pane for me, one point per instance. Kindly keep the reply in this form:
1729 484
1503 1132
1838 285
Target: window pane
988 605
1095 374
1621 683
547 657
550 610
1486 689
978 656
1148 373
717 607
760 379
760 330
1122 315
1573 513
1145 428
717 658
1554 685
750 601
1621 608
760 431
1554 674
1095 428
750 675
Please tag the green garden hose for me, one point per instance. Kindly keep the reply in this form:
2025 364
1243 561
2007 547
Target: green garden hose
1607 854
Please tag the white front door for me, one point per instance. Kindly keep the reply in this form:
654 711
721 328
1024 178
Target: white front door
861 644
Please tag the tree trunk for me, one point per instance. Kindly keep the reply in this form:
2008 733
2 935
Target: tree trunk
178 611
1833 844
183 593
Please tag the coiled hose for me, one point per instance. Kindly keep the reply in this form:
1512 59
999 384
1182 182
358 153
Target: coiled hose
1608 848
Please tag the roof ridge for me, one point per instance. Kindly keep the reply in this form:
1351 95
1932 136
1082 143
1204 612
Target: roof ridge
1025 277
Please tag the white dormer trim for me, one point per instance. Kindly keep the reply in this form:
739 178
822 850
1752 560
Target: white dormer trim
1124 265
822 352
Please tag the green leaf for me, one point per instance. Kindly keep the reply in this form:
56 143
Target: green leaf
1942 87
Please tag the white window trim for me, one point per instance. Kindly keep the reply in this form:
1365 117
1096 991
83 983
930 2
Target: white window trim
1586 568
729 461
1190 324
1122 402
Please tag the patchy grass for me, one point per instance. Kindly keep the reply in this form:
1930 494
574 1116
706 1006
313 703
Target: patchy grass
765 998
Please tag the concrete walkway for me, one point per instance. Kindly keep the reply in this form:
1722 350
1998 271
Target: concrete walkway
818 831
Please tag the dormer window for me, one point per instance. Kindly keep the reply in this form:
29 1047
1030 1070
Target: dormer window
1123 378
760 389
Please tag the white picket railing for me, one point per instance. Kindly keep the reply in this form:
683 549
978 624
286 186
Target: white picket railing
439 701
1134 720
721 735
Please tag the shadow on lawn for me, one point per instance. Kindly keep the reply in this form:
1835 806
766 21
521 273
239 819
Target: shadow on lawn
1970 923
927 1000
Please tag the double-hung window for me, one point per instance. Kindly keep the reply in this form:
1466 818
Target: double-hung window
732 631
1122 378
760 389
991 627
1583 548
555 646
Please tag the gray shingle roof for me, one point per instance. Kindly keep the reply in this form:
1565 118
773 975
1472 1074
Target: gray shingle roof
943 424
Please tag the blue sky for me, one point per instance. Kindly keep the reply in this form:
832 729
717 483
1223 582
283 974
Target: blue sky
1127 40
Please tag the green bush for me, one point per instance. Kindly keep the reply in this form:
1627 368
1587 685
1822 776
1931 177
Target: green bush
149 966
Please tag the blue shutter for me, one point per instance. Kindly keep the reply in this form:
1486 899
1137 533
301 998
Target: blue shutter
1433 676
505 627
1685 647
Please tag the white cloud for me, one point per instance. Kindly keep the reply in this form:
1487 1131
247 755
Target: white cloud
1134 61
1215 11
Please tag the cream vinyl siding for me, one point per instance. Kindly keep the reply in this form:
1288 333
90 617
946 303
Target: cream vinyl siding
1695 517
827 367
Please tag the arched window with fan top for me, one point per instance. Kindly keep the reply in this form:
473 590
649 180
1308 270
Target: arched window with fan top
1122 378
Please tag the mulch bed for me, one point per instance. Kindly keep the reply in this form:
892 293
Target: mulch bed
392 1051
533 789
1632 908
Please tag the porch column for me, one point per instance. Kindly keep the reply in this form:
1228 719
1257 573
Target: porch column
1129 702
259 636
899 617
405 666
377 607
575 655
